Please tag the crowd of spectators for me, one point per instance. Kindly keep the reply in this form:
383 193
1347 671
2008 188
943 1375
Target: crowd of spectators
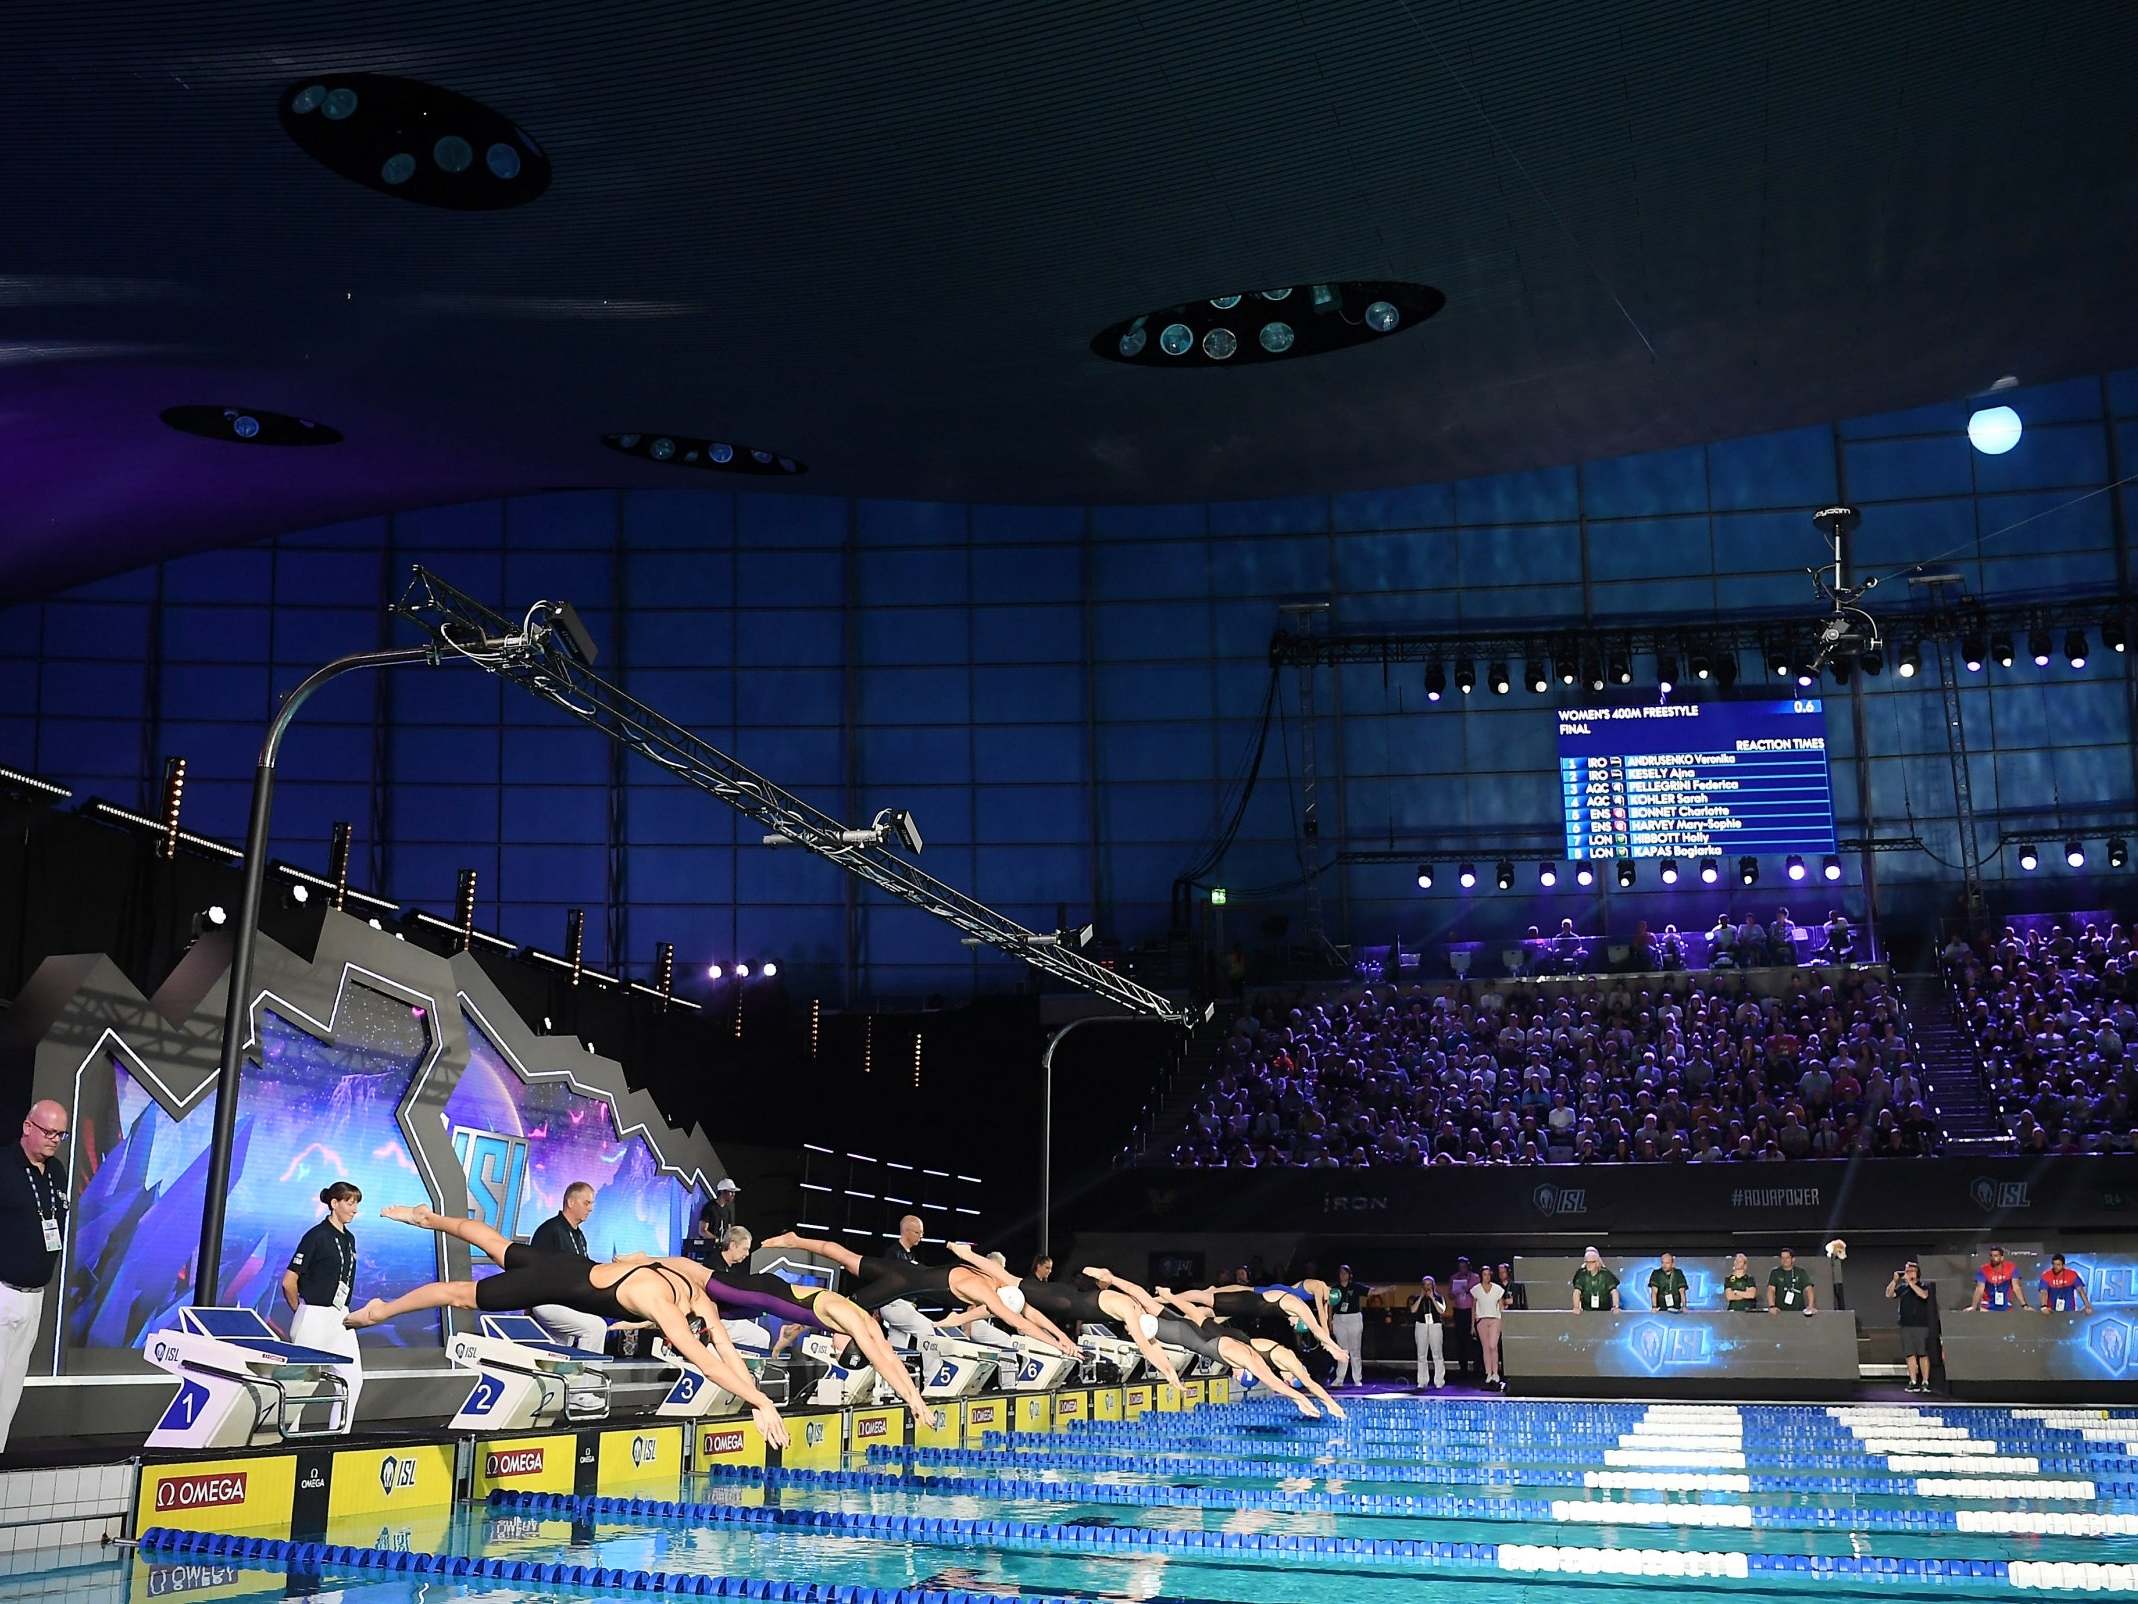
1697 1070
2050 1011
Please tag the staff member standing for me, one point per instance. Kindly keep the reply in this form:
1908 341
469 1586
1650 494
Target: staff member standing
2063 1289
1789 1286
1486 1299
1462 1314
1429 1318
1595 1284
1997 1284
1914 1322
564 1232
318 1283
720 1215
33 1219
1666 1286
1740 1293
901 1316
1347 1323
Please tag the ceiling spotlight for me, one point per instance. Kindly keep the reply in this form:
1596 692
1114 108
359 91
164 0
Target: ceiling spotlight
1219 344
1993 431
1666 671
2001 649
1778 662
1567 660
1748 871
1584 873
2112 634
1840 669
1807 676
1974 651
1503 875
1382 316
1593 672
1467 875
1177 339
1425 877
1702 669
1276 338
1547 875
1911 660
369 127
1709 874
2119 852
1669 872
694 451
769 970
1830 866
742 971
2075 647
1625 874
2075 854
1622 667
1496 677
1436 682
252 426
715 972
2038 646
1466 676
1539 681
1794 866
1872 661
1364 310
2029 859
1726 669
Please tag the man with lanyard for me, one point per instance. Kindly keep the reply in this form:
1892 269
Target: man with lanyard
1666 1286
1789 1286
1997 1284
1462 1315
1347 1323
1594 1285
1740 1293
564 1232
33 1218
907 1325
2063 1289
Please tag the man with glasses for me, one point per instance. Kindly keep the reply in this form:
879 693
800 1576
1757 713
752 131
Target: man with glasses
33 1214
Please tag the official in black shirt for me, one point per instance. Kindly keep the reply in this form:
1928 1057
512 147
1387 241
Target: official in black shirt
563 1232
320 1280
1347 1323
715 1219
33 1218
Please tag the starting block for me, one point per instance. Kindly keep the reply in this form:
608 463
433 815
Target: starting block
240 1385
692 1397
1114 1353
524 1381
839 1386
1037 1367
957 1367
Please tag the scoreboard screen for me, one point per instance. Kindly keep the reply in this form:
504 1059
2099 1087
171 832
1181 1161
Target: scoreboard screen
1665 780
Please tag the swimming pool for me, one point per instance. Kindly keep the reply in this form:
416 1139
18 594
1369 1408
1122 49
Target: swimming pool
1409 1498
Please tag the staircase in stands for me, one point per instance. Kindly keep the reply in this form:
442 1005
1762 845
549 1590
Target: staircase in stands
1951 1069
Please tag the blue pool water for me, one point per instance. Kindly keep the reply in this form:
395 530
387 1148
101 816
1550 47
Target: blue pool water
1411 1499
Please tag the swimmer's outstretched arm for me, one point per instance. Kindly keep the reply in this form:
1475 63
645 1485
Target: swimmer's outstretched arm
844 1257
1106 1278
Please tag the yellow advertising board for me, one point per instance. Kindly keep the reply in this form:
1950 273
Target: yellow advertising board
253 1495
878 1428
545 1464
1071 1408
730 1442
814 1442
1106 1403
645 1458
1135 1402
1169 1399
1035 1411
1218 1390
952 1432
984 1415
375 1482
1191 1394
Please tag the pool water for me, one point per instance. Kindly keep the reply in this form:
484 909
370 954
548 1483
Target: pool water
1410 1499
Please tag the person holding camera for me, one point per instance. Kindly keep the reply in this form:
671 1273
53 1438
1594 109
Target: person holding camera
1916 1309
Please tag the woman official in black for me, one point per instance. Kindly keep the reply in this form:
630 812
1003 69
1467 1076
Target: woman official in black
320 1279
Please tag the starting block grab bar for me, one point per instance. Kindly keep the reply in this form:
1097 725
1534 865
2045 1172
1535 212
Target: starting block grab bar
240 1385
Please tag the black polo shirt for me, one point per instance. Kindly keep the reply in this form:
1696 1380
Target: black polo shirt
325 1262
558 1235
28 1197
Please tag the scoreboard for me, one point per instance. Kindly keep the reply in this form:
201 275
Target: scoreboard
1663 780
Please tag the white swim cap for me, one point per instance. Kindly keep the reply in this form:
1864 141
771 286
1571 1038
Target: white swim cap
1013 1299
1149 1322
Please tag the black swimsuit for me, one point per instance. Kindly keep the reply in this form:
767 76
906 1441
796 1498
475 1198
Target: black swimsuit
531 1277
1198 1340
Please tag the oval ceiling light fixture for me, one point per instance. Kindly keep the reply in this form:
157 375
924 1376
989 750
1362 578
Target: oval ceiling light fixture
414 140
692 451
1242 329
250 426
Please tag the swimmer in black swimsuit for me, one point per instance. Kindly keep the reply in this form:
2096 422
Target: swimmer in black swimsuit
658 1290
881 1281
1254 1305
1212 1339
1083 1298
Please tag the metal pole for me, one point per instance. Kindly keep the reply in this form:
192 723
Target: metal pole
1046 1117
208 1268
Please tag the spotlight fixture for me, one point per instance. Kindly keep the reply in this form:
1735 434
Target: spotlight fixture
2075 647
1709 874
1911 660
694 451
2075 854
414 141
742 971
1593 672
2119 852
1726 669
2038 646
251 426
1503 875
2029 859
1974 651
1496 677
1584 873
1666 672
1793 866
1467 875
1237 329
1425 877
1547 875
1993 430
1839 666
715 972
1436 682
1466 676
1748 871
2112 634
769 970
1625 874
1778 661
1539 681
1807 676
1703 669
2001 649
1668 874
1622 667
1830 866
1872 661
1567 660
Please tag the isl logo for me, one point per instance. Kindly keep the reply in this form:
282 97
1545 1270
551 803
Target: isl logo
1991 1195
1560 1200
813 1434
396 1472
2109 1341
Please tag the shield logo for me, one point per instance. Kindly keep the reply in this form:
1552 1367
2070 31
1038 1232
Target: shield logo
2110 1341
1648 1343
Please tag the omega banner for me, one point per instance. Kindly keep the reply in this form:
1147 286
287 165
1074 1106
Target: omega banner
1933 1194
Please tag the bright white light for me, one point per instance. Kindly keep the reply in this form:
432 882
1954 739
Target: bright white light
1469 877
300 894
1994 430
714 972
217 914
742 971
770 969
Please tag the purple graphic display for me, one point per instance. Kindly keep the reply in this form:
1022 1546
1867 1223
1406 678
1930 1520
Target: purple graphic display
523 1143
312 1113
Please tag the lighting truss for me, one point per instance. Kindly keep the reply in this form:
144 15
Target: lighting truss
538 657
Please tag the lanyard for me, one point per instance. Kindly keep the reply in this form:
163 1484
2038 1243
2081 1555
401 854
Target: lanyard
345 1255
579 1241
46 1196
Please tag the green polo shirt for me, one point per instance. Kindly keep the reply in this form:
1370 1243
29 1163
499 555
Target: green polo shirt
1789 1287
1668 1286
1740 1283
1595 1287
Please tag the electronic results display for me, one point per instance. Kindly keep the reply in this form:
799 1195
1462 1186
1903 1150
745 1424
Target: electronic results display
1677 779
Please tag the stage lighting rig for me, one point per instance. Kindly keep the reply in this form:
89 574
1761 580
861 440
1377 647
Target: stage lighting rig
1847 631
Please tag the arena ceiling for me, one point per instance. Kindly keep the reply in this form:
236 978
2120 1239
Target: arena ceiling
880 237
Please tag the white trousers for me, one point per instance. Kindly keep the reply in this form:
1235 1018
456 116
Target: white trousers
1430 1357
1349 1330
572 1328
20 1313
906 1323
315 1327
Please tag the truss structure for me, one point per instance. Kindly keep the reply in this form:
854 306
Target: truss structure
537 654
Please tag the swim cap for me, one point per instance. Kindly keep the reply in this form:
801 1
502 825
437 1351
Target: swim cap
1013 1299
1149 1322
